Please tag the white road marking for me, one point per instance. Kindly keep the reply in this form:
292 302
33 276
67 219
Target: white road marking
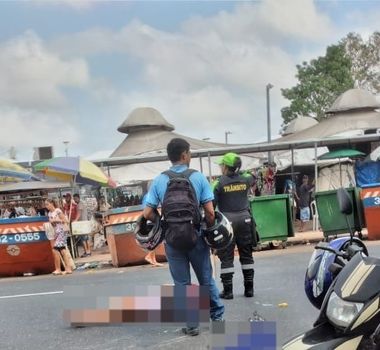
29 295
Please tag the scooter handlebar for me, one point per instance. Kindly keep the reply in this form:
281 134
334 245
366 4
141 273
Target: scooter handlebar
336 252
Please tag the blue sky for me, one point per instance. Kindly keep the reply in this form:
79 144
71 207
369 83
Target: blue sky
73 70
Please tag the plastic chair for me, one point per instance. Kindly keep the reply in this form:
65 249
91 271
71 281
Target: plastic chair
314 213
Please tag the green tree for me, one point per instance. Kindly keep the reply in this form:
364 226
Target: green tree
365 60
320 82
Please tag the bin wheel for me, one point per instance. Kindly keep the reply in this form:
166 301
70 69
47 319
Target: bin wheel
284 245
274 244
77 325
258 248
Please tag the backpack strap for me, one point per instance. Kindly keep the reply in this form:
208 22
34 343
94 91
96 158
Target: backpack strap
215 184
173 175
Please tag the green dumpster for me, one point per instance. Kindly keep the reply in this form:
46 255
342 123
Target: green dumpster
332 221
273 217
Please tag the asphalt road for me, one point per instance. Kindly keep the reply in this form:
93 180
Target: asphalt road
29 320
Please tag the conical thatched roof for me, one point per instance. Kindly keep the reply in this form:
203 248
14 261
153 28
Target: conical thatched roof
299 124
336 125
352 112
149 132
144 118
354 99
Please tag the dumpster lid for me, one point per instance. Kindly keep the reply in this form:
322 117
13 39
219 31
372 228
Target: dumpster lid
322 193
371 185
24 219
272 197
129 209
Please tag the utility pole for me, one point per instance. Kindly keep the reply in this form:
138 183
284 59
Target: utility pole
226 133
66 143
268 87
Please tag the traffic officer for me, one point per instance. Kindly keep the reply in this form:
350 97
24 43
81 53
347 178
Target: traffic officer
231 197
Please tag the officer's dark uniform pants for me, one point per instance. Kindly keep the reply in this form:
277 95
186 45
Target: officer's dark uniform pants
243 238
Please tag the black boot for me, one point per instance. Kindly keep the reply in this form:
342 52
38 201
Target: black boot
248 289
248 283
227 291
227 286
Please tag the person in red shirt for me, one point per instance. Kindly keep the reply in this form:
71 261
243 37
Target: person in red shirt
74 208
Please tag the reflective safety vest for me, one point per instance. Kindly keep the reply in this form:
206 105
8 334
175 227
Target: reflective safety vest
231 192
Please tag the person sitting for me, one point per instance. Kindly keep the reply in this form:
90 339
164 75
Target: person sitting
103 205
32 211
12 211
41 210
6 212
136 201
98 230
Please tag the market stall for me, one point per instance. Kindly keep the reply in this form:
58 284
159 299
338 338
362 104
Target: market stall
24 246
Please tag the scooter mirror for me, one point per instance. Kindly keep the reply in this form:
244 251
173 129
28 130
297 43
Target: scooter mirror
344 201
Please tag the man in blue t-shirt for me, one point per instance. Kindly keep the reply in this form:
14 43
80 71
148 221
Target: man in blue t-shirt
199 257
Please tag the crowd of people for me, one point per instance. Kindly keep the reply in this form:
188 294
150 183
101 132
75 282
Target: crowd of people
75 209
128 200
14 209
62 213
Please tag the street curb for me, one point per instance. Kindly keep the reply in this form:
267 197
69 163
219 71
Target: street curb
94 265
298 241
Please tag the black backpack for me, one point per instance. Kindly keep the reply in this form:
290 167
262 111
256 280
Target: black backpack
180 211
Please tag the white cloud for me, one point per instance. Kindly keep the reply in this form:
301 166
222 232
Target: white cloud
210 76
206 78
26 129
296 18
243 49
266 23
78 5
32 76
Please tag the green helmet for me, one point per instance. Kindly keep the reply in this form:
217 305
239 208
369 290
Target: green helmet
231 160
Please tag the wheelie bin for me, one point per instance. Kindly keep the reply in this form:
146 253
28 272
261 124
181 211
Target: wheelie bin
332 221
273 217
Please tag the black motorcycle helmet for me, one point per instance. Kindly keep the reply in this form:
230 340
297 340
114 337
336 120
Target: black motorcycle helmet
149 234
220 235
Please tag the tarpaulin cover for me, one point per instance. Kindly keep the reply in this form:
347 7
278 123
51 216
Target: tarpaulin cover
367 173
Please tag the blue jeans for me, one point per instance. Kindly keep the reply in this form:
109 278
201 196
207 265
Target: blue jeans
199 258
305 214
